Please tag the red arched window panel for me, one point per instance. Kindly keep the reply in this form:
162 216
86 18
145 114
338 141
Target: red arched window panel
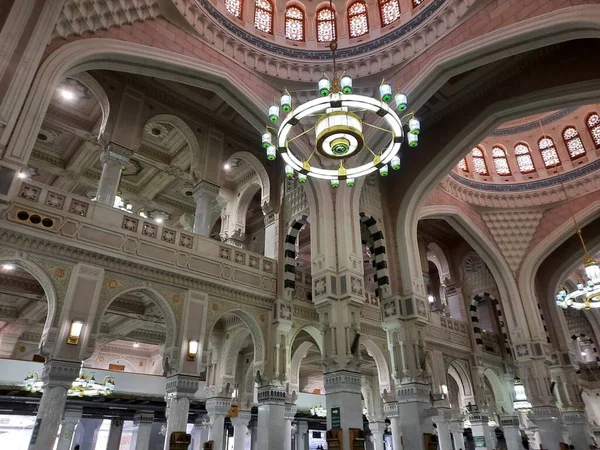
548 152
326 31
479 164
294 23
234 7
500 162
462 165
573 143
593 125
358 22
524 160
389 10
263 16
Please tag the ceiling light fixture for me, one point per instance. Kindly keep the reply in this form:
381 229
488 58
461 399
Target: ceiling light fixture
587 294
226 166
8 267
341 119
136 345
67 94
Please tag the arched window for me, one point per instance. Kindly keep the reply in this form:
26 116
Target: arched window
389 10
294 23
500 161
234 7
462 165
479 164
593 124
263 16
573 143
358 23
417 3
325 25
524 160
548 151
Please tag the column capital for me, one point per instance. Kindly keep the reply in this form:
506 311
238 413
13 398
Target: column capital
509 420
72 415
271 395
116 153
243 419
545 413
218 406
180 386
342 381
143 417
573 417
60 373
204 189
413 392
290 411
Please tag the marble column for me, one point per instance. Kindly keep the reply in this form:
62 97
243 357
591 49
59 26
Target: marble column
290 414
444 433
377 430
458 439
271 235
87 433
217 408
271 417
343 395
481 431
240 425
113 159
205 194
180 389
143 420
253 434
70 420
512 432
200 432
395 425
57 377
577 426
549 427
302 435
114 434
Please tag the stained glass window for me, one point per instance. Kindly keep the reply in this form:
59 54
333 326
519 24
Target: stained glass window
479 164
234 7
548 151
389 11
524 160
462 165
593 124
417 2
294 23
358 24
263 16
573 143
500 161
325 25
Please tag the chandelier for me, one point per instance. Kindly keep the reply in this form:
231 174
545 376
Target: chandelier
84 385
341 119
587 294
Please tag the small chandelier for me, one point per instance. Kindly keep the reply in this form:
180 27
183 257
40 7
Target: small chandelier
521 404
587 294
83 386
341 119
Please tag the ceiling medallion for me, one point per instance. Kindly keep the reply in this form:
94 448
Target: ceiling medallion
341 118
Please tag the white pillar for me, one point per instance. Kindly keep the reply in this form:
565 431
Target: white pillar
481 430
409 411
396 432
58 377
512 432
86 433
271 417
180 388
205 194
217 408
549 427
113 160
271 229
67 431
114 434
456 428
143 420
302 435
343 397
290 414
377 430
444 435
576 423
240 425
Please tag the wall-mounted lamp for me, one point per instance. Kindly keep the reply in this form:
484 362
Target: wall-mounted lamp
75 332
192 350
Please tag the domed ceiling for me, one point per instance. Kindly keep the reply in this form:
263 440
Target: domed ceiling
535 152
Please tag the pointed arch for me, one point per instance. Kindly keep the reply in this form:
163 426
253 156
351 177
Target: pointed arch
548 151
593 125
380 261
290 252
573 142
294 23
326 24
479 164
263 16
524 159
500 161
383 368
358 19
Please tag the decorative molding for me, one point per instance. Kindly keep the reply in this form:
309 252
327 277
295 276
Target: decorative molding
374 56
535 125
